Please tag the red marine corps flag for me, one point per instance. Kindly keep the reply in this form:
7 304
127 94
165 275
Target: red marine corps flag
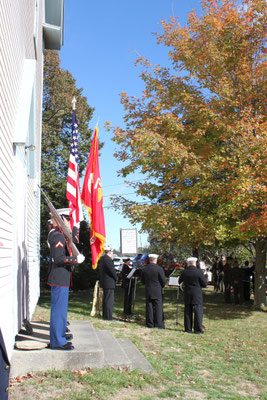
92 198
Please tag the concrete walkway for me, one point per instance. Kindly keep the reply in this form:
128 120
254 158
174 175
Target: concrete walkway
94 349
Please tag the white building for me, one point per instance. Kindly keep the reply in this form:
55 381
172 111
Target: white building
27 28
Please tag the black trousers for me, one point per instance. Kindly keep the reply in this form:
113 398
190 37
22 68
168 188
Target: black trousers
238 293
246 290
220 283
154 313
189 309
227 292
128 298
108 303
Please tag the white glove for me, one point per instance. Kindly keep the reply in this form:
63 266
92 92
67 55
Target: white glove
80 258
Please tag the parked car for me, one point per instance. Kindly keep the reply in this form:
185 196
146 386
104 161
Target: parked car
118 263
136 260
144 259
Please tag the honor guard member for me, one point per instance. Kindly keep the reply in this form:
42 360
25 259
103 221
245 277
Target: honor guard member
4 368
59 276
128 286
193 280
108 279
153 277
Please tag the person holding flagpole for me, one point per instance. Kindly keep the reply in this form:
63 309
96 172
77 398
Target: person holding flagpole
59 276
61 263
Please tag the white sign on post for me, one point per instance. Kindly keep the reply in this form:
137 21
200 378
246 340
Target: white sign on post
128 241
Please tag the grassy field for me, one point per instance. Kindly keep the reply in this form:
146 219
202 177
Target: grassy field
227 362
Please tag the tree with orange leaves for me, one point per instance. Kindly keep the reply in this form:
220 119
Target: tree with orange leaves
198 133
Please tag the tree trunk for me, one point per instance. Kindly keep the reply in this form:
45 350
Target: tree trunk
260 272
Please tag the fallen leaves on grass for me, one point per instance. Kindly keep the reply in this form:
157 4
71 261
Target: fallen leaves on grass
19 379
82 372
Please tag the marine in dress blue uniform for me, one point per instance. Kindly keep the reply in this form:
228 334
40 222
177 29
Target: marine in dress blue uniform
4 368
59 276
193 280
153 277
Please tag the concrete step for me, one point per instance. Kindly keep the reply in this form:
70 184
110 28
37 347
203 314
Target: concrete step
94 349
138 360
114 354
88 351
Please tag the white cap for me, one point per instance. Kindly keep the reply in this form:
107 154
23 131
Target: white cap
64 211
153 256
192 260
108 248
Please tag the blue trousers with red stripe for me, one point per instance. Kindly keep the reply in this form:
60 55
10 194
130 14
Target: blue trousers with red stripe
58 315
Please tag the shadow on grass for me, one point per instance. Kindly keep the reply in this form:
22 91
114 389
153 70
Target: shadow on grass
214 307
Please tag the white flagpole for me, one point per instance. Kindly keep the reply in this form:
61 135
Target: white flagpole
73 103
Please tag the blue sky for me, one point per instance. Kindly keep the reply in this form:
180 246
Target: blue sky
101 42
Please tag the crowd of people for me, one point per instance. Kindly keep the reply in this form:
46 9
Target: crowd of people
229 277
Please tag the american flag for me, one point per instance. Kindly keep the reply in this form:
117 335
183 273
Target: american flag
73 184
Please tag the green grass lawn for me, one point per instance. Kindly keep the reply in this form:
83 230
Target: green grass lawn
227 362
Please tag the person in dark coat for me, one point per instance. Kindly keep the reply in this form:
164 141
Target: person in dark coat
59 276
246 274
237 283
252 271
128 287
193 281
108 279
221 264
227 277
153 277
215 275
4 368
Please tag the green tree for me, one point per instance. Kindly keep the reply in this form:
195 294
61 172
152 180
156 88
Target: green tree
58 91
199 133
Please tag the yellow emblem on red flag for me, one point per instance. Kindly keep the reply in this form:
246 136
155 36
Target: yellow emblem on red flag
92 198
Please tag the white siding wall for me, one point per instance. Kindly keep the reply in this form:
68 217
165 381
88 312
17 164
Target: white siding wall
19 197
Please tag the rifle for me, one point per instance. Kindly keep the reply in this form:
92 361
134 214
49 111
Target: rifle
64 229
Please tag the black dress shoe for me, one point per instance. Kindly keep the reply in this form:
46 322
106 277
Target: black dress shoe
69 336
67 346
199 332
